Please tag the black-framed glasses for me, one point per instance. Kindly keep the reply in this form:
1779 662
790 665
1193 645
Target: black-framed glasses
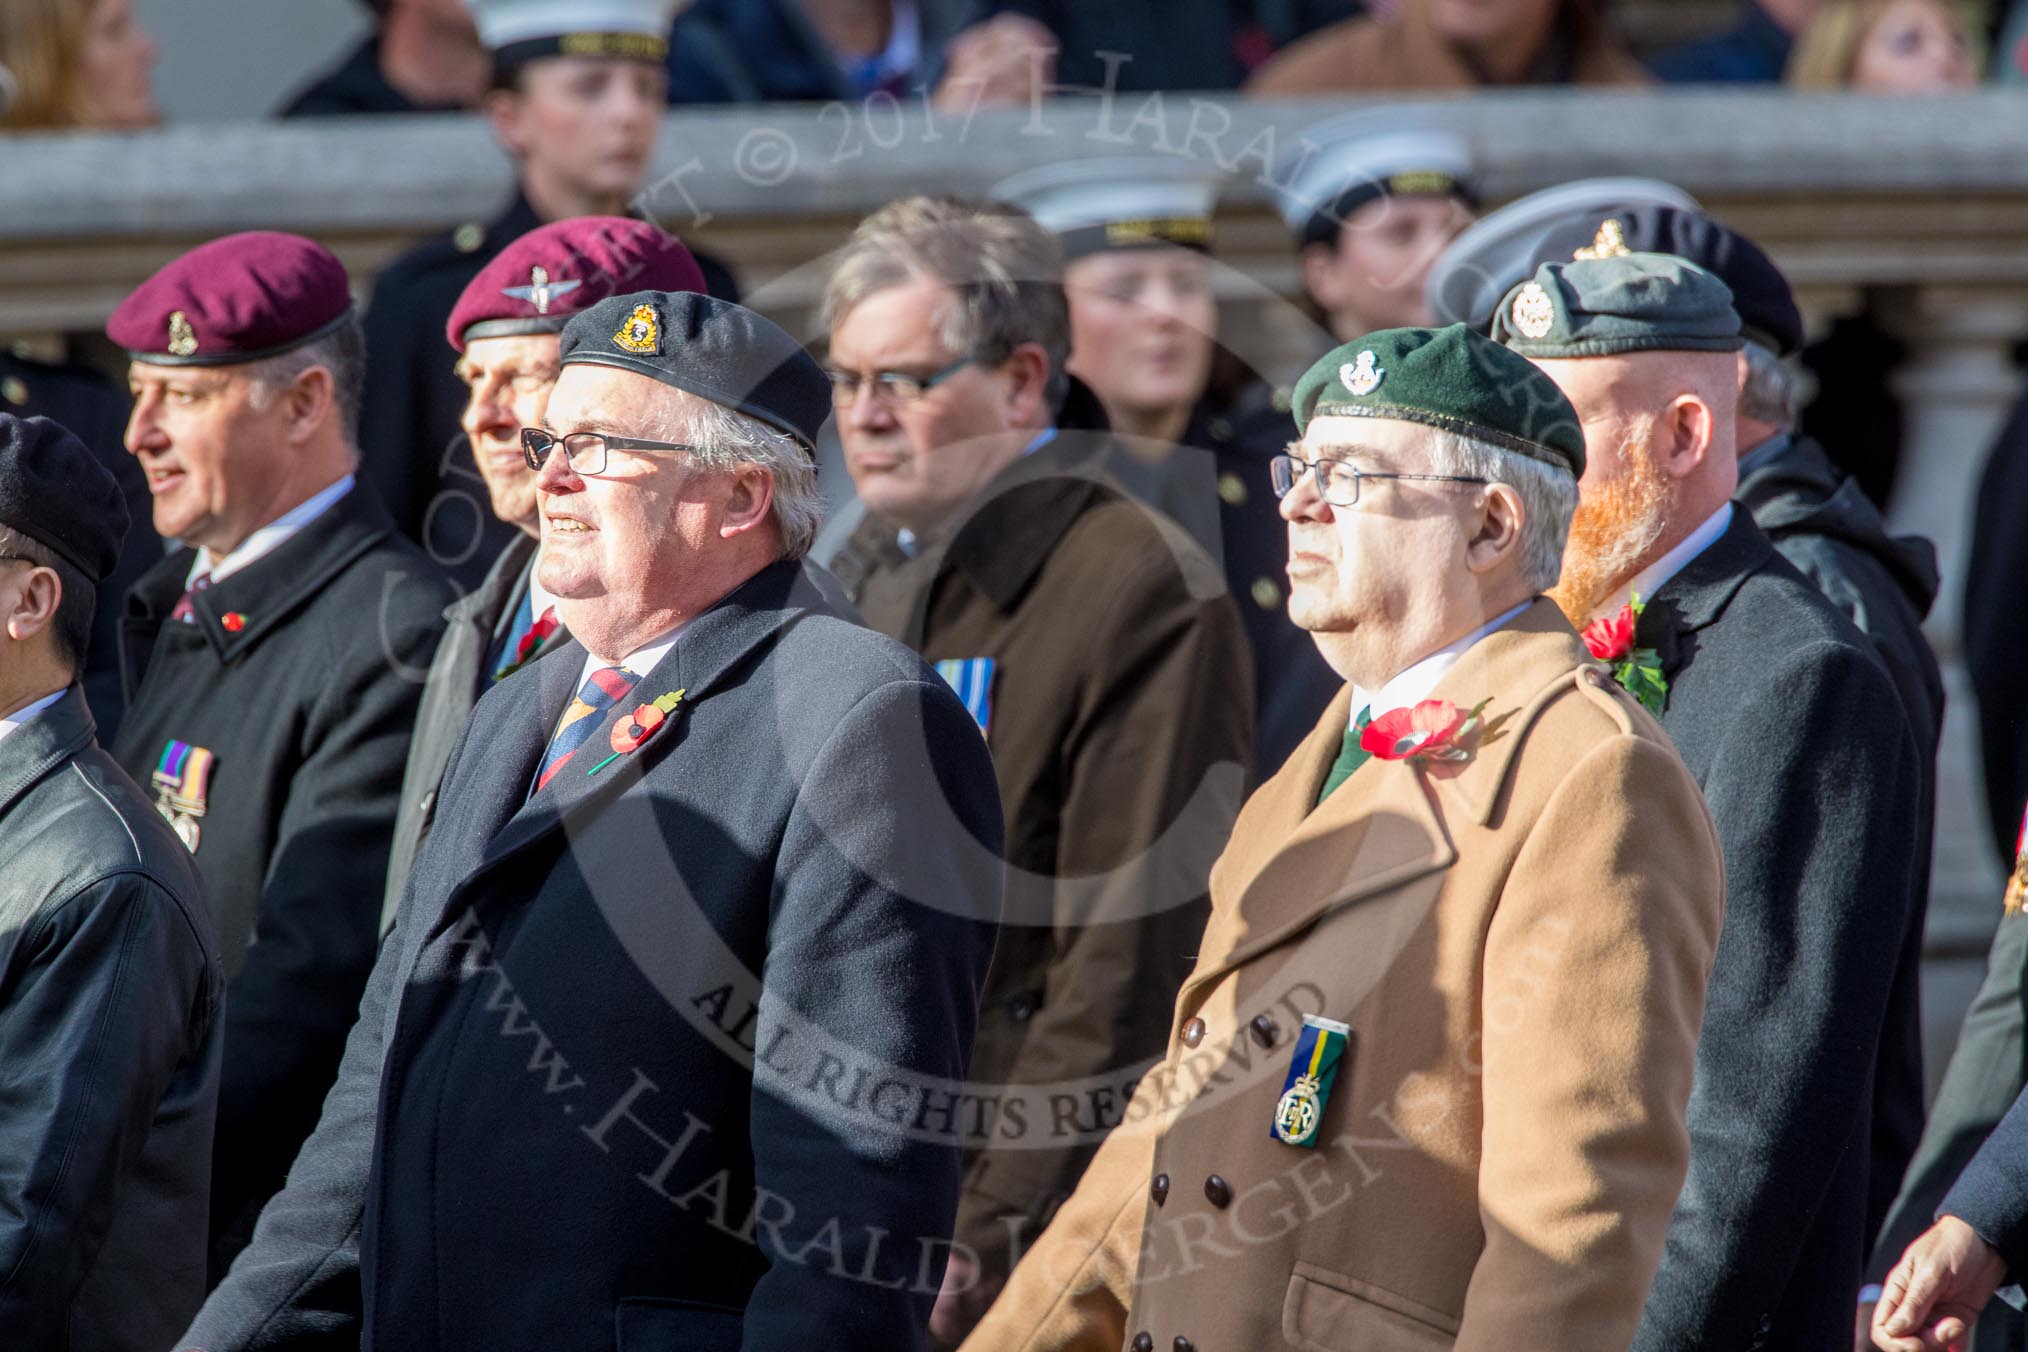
892 386
1338 481
585 452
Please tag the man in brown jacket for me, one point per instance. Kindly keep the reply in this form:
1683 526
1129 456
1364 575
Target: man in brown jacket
1097 649
1426 1086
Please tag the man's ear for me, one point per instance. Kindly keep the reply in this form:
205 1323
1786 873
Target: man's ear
1320 274
310 400
1685 434
29 605
1027 370
749 501
1497 533
503 108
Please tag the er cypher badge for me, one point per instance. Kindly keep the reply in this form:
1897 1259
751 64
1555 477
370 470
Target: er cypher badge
1312 1069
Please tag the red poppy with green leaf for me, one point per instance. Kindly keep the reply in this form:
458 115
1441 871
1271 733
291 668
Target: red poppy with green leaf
1638 670
1434 730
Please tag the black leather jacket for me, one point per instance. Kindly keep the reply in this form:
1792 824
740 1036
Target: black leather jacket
110 1001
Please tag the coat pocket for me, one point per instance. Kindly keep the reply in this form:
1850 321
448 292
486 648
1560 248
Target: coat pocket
662 1325
1330 1312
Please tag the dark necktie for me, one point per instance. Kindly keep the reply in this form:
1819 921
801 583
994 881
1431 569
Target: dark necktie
602 690
1350 756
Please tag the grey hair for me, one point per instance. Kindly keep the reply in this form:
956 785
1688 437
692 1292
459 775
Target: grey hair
1772 392
1548 497
726 439
342 353
1005 270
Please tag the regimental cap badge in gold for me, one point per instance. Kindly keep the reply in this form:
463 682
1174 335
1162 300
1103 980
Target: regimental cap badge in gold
1534 313
1360 375
641 334
182 338
1611 242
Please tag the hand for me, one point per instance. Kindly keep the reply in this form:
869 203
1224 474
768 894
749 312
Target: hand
1006 60
962 1303
1935 1292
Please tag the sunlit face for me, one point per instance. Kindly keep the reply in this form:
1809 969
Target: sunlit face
917 463
214 459
1625 500
589 122
116 69
1915 47
1371 573
1143 323
634 539
508 382
1371 276
1474 23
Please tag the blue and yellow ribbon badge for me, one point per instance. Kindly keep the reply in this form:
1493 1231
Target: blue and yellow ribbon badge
183 788
972 678
1312 1069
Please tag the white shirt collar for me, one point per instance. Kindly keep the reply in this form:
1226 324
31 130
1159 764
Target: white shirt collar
1657 574
269 537
21 717
640 661
1412 686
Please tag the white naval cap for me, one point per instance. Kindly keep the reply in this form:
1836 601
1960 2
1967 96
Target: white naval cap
1118 202
1501 250
522 30
1339 165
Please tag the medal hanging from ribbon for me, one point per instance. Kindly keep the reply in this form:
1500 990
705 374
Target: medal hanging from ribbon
1313 1068
183 788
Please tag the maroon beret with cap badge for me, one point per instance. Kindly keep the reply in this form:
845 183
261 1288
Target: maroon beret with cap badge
551 273
238 299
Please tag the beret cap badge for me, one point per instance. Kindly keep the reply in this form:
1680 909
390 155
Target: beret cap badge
641 334
182 338
540 290
1534 312
1360 375
1610 242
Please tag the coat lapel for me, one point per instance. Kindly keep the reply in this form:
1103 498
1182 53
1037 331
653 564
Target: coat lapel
1698 594
42 744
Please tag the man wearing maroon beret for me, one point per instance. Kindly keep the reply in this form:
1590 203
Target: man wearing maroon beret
578 95
272 665
506 330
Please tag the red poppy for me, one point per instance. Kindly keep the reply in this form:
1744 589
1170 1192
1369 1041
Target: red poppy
1612 639
233 621
1429 731
628 736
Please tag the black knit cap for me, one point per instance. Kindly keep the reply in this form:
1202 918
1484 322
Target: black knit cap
54 491
710 348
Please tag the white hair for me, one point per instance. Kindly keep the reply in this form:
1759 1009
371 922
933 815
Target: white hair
726 439
1772 392
1548 496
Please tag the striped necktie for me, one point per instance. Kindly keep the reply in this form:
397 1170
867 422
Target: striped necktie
186 606
602 690
538 632
1350 756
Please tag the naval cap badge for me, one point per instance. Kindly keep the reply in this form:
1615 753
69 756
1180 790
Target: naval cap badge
1534 313
1360 375
1610 242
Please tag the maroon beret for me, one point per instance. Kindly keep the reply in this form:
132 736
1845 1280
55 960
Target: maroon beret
236 299
540 280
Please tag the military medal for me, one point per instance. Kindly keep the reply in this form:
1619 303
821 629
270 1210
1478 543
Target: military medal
2017 886
1313 1067
182 788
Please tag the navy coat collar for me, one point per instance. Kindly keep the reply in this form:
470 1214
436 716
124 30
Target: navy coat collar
1698 595
45 742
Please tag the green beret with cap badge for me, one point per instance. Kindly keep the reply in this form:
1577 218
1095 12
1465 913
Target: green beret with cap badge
1608 307
1453 379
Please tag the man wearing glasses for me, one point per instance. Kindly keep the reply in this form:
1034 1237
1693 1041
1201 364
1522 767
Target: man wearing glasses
1098 652
657 1052
1496 881
505 330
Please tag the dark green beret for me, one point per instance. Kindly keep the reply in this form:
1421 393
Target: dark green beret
1604 307
1453 379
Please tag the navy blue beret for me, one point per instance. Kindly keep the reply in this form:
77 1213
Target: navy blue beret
55 491
711 348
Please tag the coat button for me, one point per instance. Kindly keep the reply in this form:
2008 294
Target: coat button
1159 1189
1144 1342
1193 1032
1218 1192
1183 1344
1264 1030
1021 1008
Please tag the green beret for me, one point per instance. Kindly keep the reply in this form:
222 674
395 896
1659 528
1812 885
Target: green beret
1603 307
1453 379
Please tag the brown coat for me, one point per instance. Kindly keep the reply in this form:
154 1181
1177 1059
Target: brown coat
1520 945
1121 724
1357 56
